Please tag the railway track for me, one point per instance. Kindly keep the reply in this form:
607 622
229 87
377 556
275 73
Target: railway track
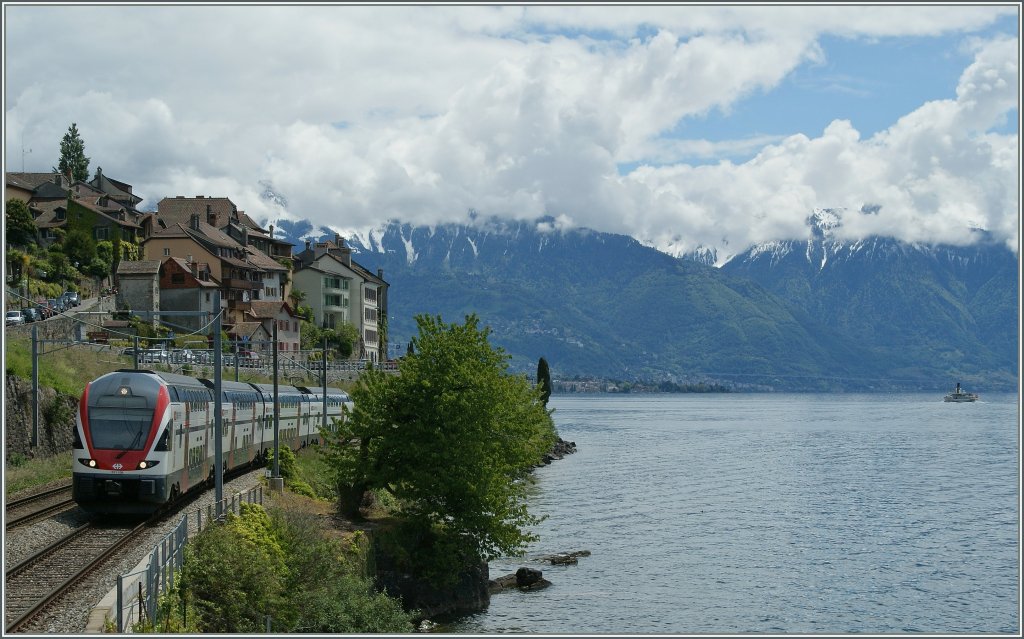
35 507
40 579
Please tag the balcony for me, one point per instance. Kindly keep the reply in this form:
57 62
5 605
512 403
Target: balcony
239 305
242 284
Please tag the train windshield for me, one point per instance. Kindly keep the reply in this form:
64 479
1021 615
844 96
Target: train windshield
119 428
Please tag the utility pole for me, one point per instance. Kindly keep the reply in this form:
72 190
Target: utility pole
276 482
325 385
35 386
218 410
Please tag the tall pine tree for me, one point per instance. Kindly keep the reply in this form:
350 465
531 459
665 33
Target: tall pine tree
73 162
544 380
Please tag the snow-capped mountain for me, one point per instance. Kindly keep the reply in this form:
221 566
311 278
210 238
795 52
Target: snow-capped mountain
818 313
926 304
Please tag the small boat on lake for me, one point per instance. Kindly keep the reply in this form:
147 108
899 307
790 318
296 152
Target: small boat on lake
960 396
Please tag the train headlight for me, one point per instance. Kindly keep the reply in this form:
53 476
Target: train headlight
91 463
147 463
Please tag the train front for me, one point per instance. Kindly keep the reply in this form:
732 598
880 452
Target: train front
118 462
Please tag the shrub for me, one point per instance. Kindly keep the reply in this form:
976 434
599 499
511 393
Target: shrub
327 590
232 575
287 464
279 563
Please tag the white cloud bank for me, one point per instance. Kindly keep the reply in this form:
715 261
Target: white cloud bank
361 114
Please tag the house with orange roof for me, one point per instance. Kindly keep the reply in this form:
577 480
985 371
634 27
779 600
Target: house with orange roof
187 286
278 312
240 280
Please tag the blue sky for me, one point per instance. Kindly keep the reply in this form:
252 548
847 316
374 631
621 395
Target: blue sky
686 126
871 83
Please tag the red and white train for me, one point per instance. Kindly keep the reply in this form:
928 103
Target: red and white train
143 438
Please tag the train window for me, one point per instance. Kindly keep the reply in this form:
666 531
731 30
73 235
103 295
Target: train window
164 443
172 393
119 428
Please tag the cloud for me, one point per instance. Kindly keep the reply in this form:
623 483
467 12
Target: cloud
930 176
512 111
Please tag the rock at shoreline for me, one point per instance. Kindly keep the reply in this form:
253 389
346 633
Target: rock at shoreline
559 450
525 579
565 558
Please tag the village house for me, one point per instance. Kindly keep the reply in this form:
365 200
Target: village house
249 336
187 286
139 287
339 290
240 281
59 206
278 312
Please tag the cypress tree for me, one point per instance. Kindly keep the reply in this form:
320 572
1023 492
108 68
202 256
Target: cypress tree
544 380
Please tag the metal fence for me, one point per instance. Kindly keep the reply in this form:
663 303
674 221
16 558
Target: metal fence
138 593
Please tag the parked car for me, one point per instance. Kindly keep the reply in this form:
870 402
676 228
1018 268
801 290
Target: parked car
55 305
29 314
43 311
72 298
182 356
154 355
250 359
13 318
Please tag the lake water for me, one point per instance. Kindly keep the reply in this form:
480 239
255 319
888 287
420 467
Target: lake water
775 514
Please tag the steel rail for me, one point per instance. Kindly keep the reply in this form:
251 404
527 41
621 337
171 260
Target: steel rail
39 514
14 503
24 618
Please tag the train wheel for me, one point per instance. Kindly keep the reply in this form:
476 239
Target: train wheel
175 493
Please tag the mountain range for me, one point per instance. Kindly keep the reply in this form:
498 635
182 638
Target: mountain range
819 314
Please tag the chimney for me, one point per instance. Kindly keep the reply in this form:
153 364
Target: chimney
380 274
245 236
194 222
307 248
271 231
342 251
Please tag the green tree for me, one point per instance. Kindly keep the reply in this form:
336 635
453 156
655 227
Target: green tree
73 162
129 249
346 336
115 256
100 266
79 247
234 573
450 438
59 267
544 380
21 228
